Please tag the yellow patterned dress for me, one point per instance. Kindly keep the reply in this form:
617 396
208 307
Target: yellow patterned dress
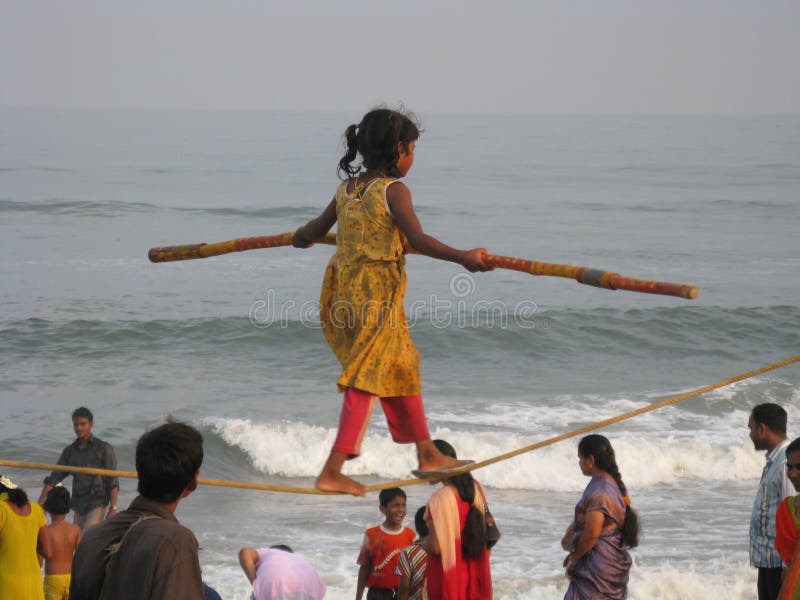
361 305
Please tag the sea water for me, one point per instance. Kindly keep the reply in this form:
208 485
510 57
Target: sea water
231 344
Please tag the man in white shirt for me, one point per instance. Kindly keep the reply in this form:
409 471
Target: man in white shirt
277 573
767 426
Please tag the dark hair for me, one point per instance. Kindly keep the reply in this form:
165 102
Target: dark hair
57 501
473 537
600 448
82 412
387 496
167 459
419 522
445 448
16 496
771 415
794 446
376 138
283 547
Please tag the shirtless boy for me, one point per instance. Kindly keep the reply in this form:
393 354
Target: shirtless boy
64 538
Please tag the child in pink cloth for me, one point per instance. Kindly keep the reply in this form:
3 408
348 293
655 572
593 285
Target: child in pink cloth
277 572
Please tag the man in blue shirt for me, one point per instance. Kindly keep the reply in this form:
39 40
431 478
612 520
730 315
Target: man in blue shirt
767 425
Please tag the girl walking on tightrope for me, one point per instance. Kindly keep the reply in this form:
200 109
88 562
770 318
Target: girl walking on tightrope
361 304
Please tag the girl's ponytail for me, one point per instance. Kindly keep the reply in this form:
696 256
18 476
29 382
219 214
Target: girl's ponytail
376 139
345 164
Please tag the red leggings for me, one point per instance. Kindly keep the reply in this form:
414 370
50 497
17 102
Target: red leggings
404 414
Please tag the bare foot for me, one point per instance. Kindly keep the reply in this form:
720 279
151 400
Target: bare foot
430 459
445 473
339 483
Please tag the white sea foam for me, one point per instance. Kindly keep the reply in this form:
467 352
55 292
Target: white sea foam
559 413
299 450
715 579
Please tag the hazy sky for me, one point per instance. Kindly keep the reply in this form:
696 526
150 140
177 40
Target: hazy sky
595 56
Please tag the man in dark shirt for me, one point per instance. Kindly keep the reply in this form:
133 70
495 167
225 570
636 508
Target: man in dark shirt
91 494
143 552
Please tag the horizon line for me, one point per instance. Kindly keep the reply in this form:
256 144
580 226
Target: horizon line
457 112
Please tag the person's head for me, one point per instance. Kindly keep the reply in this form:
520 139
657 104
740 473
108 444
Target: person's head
464 483
385 139
419 522
57 501
473 539
82 422
393 507
767 424
793 463
596 454
445 448
168 460
283 547
15 493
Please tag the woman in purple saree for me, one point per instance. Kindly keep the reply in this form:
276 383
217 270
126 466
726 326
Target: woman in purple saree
604 525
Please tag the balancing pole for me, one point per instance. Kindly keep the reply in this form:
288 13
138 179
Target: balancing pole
588 276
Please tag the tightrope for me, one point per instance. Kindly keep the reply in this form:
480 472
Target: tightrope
478 465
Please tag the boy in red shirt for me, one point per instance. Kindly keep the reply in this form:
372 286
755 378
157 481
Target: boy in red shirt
380 550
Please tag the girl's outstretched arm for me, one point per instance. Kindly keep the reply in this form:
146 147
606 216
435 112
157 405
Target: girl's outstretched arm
398 197
309 233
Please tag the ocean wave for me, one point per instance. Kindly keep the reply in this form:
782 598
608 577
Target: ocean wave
716 578
36 169
64 206
729 204
547 335
662 582
292 212
94 208
735 581
83 337
298 450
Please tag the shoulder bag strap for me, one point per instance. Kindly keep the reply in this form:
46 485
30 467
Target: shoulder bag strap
113 549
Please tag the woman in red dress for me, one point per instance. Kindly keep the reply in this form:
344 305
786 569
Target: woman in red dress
458 565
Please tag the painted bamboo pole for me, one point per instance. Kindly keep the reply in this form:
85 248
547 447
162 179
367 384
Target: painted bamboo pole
585 275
